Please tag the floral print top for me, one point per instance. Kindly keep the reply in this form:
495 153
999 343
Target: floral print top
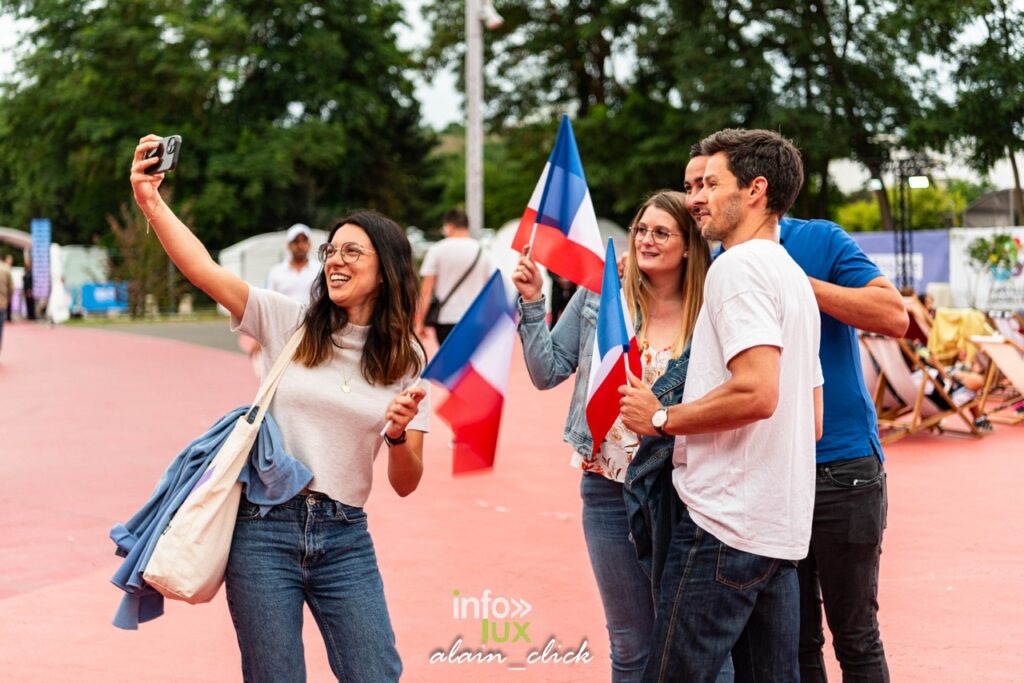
620 445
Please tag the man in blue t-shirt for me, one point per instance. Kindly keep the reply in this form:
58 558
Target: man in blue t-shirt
841 568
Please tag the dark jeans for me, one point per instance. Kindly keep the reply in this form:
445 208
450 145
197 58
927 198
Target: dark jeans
442 332
714 599
841 571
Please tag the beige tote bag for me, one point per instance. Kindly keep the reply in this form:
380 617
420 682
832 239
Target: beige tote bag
189 559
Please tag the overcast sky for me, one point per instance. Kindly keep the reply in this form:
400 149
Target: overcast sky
441 103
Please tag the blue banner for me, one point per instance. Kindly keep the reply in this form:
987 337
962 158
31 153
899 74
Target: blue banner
930 257
103 297
42 234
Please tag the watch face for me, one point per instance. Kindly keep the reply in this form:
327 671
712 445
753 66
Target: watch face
659 418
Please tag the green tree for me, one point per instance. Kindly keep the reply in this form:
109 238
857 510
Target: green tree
989 107
838 77
546 58
930 208
554 57
289 112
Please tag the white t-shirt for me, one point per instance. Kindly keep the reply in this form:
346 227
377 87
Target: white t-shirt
447 261
294 284
753 487
336 434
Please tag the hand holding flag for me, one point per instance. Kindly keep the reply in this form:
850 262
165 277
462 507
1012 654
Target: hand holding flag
637 405
527 277
403 409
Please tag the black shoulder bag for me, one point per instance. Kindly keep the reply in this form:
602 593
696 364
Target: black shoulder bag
434 310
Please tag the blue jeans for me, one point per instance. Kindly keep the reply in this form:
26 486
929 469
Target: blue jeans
316 551
716 599
624 587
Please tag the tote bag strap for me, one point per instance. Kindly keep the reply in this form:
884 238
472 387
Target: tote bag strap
266 391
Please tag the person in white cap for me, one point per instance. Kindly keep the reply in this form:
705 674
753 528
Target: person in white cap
294 277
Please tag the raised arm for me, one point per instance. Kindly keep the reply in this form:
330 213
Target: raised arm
183 247
876 307
551 355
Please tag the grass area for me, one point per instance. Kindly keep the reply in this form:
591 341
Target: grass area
199 315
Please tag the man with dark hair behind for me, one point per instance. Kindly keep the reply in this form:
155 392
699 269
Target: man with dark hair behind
454 270
751 412
842 566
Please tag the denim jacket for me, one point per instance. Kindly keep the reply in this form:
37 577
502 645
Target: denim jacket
653 507
271 477
551 356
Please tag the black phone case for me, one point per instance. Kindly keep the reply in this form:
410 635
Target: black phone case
168 151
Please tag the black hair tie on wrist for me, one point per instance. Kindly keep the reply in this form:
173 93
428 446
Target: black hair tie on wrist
395 442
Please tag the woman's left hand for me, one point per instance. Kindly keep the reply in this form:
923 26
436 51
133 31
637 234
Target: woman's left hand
403 409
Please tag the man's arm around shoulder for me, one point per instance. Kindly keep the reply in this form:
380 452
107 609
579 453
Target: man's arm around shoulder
875 307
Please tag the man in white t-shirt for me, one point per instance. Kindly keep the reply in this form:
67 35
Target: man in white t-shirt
751 413
294 276
454 270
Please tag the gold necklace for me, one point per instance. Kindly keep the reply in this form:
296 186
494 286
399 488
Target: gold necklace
346 386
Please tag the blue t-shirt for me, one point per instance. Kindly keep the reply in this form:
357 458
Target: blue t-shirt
826 252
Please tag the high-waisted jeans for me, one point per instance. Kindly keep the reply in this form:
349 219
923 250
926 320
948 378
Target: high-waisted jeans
316 551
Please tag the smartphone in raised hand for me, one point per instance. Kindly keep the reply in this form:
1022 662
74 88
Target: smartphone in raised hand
168 152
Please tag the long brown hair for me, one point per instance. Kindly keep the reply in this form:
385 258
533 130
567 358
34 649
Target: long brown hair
392 351
637 287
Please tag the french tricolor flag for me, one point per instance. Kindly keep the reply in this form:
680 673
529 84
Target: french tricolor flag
614 346
473 365
559 222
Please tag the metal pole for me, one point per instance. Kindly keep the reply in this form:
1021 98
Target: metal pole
474 120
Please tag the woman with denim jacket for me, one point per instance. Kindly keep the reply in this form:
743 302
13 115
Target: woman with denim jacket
663 284
353 373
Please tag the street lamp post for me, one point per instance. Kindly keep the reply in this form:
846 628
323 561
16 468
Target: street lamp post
474 121
909 174
478 13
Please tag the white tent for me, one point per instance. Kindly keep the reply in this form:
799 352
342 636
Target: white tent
19 238
252 258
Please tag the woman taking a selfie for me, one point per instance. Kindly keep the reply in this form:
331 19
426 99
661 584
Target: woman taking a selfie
351 374
663 284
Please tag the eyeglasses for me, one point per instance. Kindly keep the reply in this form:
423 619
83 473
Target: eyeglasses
350 252
660 235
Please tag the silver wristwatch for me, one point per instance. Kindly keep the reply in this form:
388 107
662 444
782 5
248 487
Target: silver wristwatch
658 421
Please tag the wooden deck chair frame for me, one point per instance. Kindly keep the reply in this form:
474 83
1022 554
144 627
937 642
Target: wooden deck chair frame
897 362
1008 325
1006 359
887 406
